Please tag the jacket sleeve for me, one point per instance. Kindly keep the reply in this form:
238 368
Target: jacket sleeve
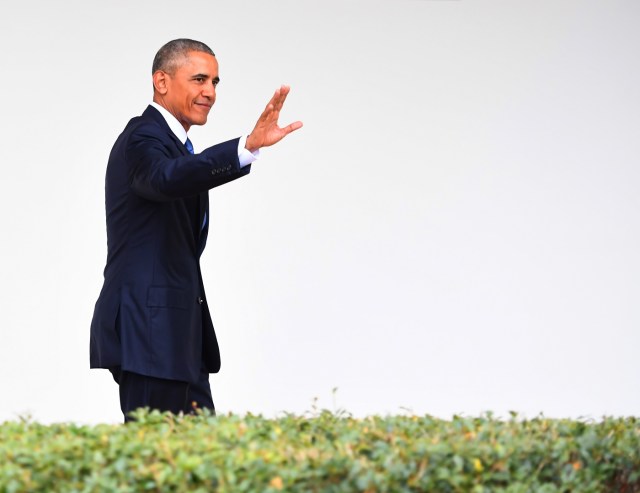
157 175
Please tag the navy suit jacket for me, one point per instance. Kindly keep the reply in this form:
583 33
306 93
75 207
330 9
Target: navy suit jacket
152 316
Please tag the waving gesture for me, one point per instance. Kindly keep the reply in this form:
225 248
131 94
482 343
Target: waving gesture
267 132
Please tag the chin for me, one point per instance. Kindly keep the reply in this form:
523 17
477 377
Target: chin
201 120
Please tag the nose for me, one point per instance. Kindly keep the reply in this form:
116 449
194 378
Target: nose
209 91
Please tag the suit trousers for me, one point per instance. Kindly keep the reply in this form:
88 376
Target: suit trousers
160 394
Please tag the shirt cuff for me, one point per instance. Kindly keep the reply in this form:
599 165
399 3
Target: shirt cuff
245 156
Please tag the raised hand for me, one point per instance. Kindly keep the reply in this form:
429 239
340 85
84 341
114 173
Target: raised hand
267 132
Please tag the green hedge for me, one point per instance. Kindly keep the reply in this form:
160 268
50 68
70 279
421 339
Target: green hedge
325 452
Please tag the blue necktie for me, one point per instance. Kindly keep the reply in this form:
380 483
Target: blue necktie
189 146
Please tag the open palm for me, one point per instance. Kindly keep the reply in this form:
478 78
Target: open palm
267 132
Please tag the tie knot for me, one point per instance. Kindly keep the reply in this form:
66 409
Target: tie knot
189 146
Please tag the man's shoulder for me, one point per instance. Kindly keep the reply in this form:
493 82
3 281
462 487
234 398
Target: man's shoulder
150 123
143 128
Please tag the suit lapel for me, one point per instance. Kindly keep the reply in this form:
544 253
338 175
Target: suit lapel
202 200
154 114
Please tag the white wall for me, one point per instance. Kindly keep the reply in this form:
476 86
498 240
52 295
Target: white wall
455 229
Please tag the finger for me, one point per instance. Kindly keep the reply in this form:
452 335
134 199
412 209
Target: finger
269 107
278 97
275 98
276 102
267 113
292 127
284 92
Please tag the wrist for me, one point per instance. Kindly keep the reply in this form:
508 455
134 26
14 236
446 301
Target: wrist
251 145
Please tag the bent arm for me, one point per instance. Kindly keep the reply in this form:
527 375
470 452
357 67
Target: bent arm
155 175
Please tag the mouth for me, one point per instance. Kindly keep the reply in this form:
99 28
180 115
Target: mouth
206 106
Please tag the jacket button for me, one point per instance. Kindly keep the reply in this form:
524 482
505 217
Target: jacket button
200 300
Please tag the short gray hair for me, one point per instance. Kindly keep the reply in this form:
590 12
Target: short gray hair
173 54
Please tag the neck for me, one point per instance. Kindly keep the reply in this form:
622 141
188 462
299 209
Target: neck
157 98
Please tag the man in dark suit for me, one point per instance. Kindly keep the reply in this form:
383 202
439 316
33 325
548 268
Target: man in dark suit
151 325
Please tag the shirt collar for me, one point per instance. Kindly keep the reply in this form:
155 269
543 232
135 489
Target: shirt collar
175 126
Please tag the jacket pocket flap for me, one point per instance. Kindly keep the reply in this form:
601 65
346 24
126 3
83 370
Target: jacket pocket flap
167 297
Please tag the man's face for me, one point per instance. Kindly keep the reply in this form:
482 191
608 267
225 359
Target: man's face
189 93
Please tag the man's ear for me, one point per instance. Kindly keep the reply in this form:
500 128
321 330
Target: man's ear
160 82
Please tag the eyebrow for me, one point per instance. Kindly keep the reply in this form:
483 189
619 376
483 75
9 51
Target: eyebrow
196 76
